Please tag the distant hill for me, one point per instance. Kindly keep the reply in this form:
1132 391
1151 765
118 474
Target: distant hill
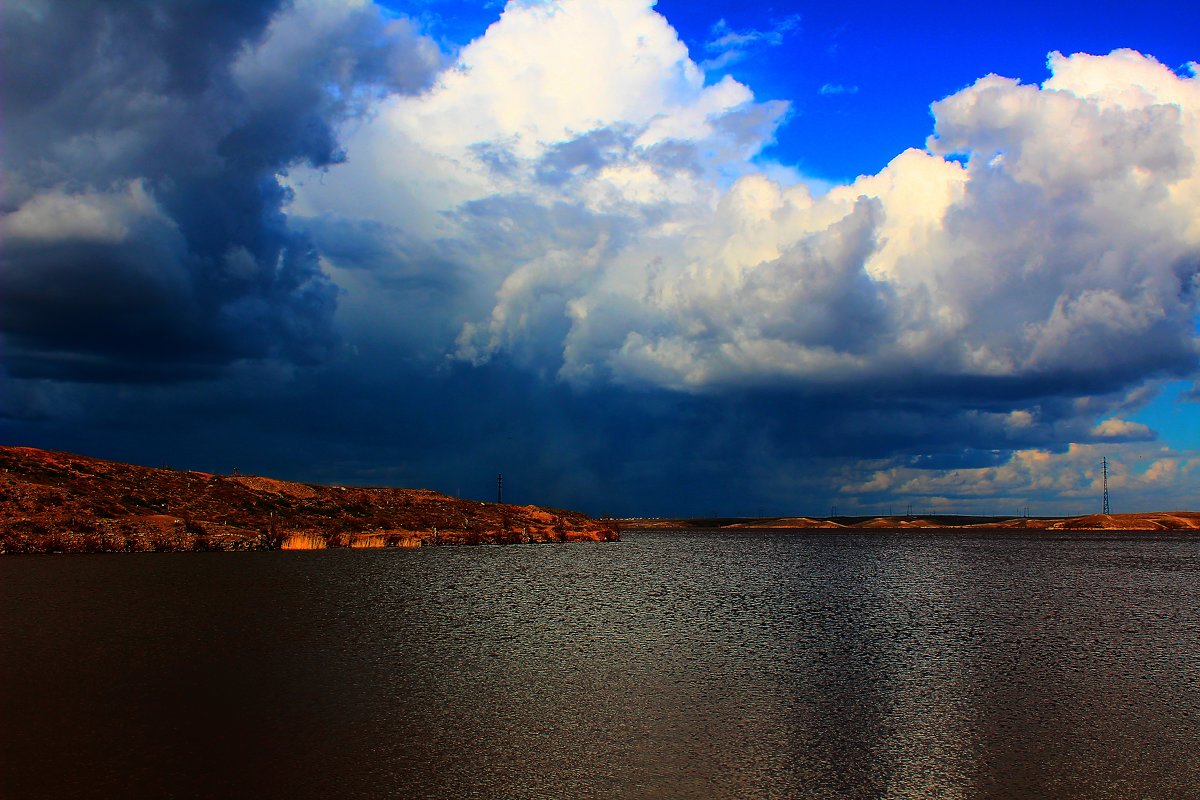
59 502
1153 521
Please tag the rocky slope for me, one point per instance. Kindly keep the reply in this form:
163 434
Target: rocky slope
59 502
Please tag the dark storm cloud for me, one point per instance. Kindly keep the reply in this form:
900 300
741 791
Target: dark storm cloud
591 151
144 236
498 159
583 155
393 258
522 228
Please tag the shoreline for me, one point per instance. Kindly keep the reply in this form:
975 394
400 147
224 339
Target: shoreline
1155 521
53 502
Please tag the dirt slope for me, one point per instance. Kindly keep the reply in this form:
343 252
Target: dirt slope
59 502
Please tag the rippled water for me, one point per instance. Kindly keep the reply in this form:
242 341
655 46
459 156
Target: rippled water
700 665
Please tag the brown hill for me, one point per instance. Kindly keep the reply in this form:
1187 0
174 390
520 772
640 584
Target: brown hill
59 502
1153 521
788 522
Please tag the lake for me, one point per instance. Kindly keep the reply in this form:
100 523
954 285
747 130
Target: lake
699 664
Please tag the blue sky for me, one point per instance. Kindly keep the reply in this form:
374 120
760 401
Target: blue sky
882 63
669 258
897 59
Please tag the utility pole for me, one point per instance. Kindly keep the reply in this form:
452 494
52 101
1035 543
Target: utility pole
500 488
1104 466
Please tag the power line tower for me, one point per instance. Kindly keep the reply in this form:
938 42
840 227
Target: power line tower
1104 467
500 489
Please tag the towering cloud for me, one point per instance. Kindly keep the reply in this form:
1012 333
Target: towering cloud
1062 253
560 136
1044 243
143 230
596 212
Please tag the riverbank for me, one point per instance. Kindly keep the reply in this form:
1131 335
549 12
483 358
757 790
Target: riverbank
1151 521
52 502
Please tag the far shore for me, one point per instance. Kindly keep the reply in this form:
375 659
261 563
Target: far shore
1151 521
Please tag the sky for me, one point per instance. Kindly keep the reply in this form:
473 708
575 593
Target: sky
684 258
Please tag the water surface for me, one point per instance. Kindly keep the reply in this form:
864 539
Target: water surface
759 664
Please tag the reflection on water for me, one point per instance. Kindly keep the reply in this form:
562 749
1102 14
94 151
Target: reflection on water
669 665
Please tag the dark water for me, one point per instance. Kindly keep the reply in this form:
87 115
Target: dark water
669 665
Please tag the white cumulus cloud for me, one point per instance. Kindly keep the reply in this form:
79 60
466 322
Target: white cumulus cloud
588 206
1064 249
621 231
1139 475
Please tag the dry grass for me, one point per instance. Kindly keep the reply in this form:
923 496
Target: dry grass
303 541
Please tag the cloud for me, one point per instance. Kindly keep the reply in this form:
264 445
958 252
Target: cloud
837 88
1117 429
143 225
572 233
1020 278
1039 267
728 45
1148 475
1038 262
553 140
